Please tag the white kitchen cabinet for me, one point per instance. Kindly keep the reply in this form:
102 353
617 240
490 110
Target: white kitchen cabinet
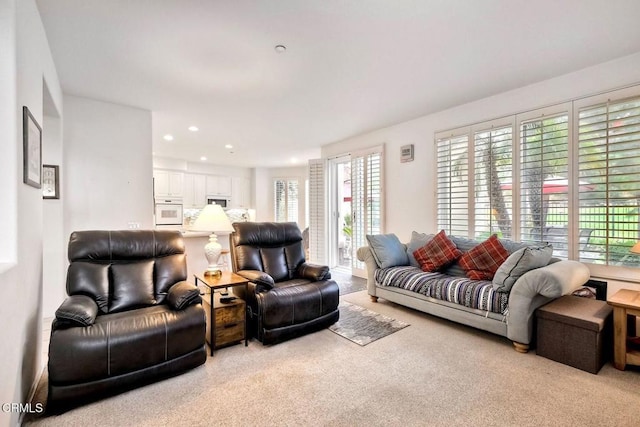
168 184
199 191
240 192
194 191
218 185
187 200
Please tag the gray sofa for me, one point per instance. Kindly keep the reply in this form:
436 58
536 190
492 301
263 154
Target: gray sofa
510 314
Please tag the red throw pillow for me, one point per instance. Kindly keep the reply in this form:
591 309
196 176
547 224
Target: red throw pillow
482 261
437 253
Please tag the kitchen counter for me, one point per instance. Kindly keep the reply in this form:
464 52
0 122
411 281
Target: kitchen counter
191 234
188 234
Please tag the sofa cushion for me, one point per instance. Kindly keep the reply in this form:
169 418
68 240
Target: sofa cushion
477 294
387 250
437 253
482 261
520 262
418 240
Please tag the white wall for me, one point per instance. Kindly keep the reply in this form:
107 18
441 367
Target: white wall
29 60
410 187
264 192
54 260
109 174
8 131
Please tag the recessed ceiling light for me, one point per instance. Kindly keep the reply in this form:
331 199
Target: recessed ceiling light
228 146
203 158
280 48
168 137
193 128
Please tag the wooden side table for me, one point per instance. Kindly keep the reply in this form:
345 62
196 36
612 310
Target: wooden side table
224 315
626 307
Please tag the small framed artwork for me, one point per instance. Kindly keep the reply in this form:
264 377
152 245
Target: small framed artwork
32 149
50 182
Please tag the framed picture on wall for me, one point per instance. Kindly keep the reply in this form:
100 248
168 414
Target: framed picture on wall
32 149
50 182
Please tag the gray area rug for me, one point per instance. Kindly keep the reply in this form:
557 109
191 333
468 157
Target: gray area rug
364 326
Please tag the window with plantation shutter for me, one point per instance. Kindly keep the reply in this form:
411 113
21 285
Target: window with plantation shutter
367 203
567 174
544 181
286 200
317 219
609 173
493 201
453 184
474 169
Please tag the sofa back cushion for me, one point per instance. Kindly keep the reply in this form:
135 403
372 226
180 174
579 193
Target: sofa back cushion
125 269
417 241
272 247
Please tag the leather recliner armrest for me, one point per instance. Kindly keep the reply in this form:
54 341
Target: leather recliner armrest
313 272
260 278
77 310
183 294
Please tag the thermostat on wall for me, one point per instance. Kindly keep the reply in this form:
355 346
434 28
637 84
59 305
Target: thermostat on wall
406 153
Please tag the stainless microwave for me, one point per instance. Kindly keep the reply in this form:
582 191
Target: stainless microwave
225 202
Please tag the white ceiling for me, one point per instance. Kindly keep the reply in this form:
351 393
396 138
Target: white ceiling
351 66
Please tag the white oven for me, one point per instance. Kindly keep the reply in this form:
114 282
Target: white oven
168 212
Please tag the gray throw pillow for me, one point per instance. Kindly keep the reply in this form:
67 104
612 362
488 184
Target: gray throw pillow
387 250
418 240
518 263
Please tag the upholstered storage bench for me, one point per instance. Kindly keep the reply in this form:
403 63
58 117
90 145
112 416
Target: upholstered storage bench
575 331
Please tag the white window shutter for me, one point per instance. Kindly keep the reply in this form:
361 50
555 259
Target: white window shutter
609 170
317 208
453 184
367 200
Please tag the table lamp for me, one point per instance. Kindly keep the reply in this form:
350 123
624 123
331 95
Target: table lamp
635 249
212 218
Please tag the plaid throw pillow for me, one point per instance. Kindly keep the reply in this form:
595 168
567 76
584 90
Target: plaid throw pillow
482 261
437 253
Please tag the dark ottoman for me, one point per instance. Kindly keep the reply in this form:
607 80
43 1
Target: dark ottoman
575 331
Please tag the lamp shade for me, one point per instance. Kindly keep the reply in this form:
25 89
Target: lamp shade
636 248
213 219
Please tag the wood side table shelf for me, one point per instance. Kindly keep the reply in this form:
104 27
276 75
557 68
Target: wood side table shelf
626 307
226 322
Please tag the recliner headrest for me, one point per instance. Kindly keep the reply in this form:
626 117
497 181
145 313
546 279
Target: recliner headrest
105 245
266 233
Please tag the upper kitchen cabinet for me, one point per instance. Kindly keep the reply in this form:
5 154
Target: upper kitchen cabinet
241 192
168 184
218 185
195 190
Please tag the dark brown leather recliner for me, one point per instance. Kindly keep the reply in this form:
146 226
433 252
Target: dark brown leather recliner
130 317
287 296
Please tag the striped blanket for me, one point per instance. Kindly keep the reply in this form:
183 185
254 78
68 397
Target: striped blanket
477 294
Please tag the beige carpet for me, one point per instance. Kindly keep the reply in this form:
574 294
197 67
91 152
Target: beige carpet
432 373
